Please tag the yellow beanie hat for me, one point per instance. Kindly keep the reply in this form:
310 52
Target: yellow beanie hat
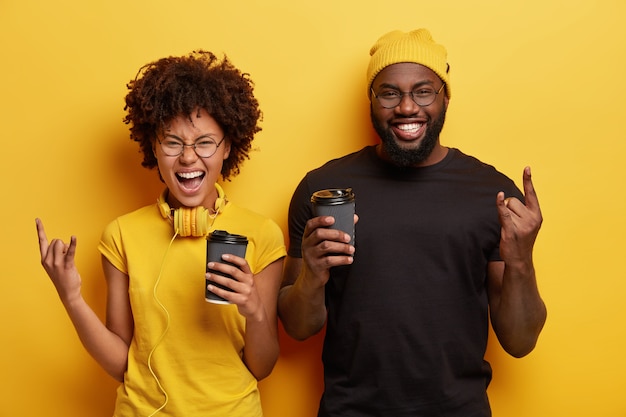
416 46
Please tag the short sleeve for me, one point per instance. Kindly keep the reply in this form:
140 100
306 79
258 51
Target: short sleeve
300 212
112 248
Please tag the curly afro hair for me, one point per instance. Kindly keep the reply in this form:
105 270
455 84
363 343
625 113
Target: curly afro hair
175 86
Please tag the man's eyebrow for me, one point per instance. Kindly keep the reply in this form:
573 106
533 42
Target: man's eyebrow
416 85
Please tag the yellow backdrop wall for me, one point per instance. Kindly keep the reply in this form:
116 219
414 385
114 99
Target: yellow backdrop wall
536 82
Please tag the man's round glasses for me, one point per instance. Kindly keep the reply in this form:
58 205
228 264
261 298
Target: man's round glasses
204 148
423 96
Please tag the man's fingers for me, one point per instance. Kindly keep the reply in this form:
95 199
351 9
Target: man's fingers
315 223
530 195
503 210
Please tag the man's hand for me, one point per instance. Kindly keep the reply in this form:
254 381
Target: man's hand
520 223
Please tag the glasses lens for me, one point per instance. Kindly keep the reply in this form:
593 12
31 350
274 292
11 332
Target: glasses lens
171 147
389 100
205 148
423 98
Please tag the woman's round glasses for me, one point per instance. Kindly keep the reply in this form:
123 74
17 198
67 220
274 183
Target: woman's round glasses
204 148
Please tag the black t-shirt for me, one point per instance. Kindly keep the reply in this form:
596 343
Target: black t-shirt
408 320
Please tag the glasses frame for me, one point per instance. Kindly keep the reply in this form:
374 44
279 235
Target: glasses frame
409 93
193 145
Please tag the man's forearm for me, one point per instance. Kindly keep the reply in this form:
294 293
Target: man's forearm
303 313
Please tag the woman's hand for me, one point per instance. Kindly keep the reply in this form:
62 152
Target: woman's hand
57 258
244 292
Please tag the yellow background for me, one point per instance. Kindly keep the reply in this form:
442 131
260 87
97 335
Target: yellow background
537 82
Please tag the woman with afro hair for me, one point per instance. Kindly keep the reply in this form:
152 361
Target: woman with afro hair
174 352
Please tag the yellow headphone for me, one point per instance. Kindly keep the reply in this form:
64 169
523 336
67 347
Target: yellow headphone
192 221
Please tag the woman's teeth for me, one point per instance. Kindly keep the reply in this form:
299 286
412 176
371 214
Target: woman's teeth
189 175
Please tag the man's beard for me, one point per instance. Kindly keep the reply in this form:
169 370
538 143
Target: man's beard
409 157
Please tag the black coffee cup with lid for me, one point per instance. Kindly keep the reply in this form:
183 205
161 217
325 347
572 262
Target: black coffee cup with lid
220 242
338 203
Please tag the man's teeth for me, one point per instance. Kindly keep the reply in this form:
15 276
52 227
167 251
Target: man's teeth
411 127
189 175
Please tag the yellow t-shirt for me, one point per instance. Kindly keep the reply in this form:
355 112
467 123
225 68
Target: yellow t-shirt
194 348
